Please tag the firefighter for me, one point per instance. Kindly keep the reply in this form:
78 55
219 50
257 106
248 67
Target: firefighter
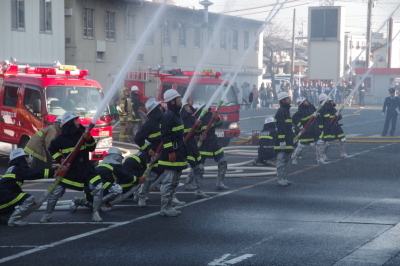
126 113
173 155
193 155
284 142
148 139
211 148
114 177
136 165
267 137
337 131
136 104
82 172
390 107
39 143
12 199
300 119
326 136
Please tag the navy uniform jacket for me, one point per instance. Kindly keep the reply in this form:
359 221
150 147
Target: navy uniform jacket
11 182
82 170
172 137
267 137
211 146
283 122
193 154
301 117
390 105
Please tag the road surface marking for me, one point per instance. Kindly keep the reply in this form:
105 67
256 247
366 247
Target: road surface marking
222 261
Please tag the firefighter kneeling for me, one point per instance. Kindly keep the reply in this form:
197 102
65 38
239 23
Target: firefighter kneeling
12 199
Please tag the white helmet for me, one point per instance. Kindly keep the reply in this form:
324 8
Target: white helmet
300 100
170 94
17 153
282 95
58 119
151 104
269 119
114 150
134 88
322 97
198 105
68 116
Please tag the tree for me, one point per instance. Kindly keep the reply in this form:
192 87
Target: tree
276 38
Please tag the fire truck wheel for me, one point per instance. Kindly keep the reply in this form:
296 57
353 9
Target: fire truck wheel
23 142
224 141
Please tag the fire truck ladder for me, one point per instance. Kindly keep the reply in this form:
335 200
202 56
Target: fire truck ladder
138 74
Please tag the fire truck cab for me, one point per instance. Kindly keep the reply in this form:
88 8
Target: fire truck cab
206 83
31 98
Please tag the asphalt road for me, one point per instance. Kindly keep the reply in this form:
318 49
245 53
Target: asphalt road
343 213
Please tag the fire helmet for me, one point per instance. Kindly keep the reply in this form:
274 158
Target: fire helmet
282 95
269 119
17 153
171 94
134 88
300 100
58 119
322 97
151 104
114 150
68 116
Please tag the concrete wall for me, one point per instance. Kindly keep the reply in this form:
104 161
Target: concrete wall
82 52
30 45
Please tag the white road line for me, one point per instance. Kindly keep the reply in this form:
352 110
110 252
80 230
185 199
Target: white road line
18 246
222 261
376 252
115 225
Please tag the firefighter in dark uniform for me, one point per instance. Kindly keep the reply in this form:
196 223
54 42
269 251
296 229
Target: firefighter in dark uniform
113 176
148 139
326 129
284 142
337 130
125 112
136 165
193 155
136 104
389 107
267 137
173 155
82 172
12 199
211 148
300 119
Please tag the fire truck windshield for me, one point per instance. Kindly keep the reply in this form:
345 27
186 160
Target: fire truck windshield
81 100
203 92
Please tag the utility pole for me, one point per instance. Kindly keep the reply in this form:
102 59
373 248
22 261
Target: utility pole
369 22
293 48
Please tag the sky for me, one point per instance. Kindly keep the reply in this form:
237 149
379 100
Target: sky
355 12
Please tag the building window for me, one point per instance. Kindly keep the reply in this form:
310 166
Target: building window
45 16
257 44
165 33
246 40
222 41
235 39
211 37
110 26
17 14
182 35
150 39
197 35
130 33
140 58
174 59
100 56
88 22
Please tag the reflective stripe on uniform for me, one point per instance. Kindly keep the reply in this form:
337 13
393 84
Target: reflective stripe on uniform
18 198
266 137
72 183
94 179
191 158
107 166
39 133
167 145
178 128
136 158
172 164
154 135
286 147
56 155
144 146
46 173
281 136
34 154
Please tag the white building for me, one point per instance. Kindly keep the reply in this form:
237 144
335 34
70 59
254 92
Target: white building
32 31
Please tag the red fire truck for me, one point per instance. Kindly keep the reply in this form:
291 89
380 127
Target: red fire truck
31 98
206 83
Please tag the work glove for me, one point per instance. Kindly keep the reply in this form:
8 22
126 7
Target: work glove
302 129
61 172
197 123
172 157
282 145
150 152
87 136
383 113
141 180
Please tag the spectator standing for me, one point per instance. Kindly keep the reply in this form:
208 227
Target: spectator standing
263 95
361 93
389 107
255 96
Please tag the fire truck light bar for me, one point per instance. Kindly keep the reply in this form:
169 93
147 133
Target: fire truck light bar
54 71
